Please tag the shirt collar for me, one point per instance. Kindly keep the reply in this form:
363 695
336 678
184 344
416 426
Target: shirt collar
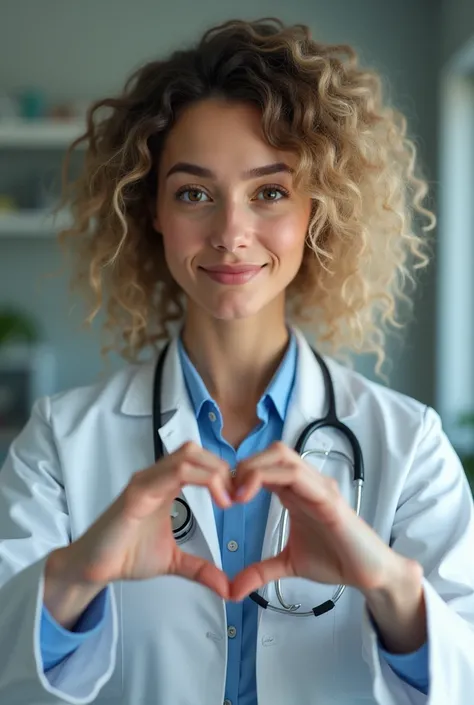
278 391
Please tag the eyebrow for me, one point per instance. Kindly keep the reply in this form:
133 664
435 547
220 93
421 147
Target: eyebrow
195 170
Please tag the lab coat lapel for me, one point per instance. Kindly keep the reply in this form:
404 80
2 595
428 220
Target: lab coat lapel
182 427
178 425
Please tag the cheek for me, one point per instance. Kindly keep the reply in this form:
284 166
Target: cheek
181 238
286 236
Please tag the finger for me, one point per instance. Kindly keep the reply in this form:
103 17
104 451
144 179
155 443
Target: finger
189 472
299 478
275 454
277 457
201 455
325 510
202 458
201 571
257 575
195 455
218 483
149 489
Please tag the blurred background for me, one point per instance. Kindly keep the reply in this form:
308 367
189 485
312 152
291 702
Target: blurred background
58 55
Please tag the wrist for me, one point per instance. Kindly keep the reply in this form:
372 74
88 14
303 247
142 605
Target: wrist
65 566
67 593
401 575
398 608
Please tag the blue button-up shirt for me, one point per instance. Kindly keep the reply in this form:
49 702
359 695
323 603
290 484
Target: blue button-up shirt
241 528
240 531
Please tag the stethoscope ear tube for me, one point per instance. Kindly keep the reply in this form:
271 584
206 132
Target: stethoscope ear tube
156 411
182 519
331 420
357 459
316 611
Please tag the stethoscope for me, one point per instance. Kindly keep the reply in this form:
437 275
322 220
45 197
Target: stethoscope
182 519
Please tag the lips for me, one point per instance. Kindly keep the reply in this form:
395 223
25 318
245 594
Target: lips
232 268
232 274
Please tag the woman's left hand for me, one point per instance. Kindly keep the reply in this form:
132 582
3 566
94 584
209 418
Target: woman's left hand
327 543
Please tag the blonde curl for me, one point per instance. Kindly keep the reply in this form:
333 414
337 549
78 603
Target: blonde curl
362 246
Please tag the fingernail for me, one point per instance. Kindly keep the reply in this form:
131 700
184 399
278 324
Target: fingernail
240 492
227 497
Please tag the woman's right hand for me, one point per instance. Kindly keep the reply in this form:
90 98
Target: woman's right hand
133 538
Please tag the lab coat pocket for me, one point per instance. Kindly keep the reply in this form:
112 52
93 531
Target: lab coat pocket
296 657
354 677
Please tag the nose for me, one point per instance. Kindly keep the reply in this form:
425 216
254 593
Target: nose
231 229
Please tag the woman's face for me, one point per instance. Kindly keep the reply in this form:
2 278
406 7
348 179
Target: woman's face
232 223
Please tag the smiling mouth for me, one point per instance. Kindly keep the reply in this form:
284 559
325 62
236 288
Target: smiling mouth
236 274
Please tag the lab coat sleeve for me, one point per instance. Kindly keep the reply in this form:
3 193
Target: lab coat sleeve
434 524
57 643
34 521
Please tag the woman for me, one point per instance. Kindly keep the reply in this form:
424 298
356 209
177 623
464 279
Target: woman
236 188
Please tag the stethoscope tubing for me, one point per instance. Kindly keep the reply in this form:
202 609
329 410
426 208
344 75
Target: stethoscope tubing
330 420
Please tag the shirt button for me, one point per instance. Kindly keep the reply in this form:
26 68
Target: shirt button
232 546
212 417
231 632
227 702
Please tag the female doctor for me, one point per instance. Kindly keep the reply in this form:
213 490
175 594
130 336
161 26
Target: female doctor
236 187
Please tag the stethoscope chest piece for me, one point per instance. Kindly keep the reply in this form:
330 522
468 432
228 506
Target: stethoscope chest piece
182 520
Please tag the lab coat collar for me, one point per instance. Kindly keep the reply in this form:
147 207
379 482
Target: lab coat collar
308 394
309 400
138 398
179 424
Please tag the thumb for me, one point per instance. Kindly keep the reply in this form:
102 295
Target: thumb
259 574
201 571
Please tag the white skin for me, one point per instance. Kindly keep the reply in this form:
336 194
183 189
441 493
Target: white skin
226 213
235 335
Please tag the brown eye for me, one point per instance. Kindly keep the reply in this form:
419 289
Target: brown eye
271 194
192 195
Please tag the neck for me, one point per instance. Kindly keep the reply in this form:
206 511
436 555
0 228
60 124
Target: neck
236 359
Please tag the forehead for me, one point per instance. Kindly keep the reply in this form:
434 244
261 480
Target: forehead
222 136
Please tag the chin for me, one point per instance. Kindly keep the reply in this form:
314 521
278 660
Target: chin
235 312
235 315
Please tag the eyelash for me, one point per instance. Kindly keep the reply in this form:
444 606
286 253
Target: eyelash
268 187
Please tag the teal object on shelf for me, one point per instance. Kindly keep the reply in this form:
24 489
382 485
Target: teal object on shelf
32 104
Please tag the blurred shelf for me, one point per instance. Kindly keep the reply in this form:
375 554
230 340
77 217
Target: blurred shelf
39 133
31 224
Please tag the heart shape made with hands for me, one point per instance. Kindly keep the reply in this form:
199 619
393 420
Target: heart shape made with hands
327 543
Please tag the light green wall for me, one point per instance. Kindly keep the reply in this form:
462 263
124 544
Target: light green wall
457 22
455 287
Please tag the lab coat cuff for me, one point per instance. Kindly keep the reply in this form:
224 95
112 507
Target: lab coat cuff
450 672
411 667
79 678
58 642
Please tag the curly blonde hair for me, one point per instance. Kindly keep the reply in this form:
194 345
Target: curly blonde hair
354 155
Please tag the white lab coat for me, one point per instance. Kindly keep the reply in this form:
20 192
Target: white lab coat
164 640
